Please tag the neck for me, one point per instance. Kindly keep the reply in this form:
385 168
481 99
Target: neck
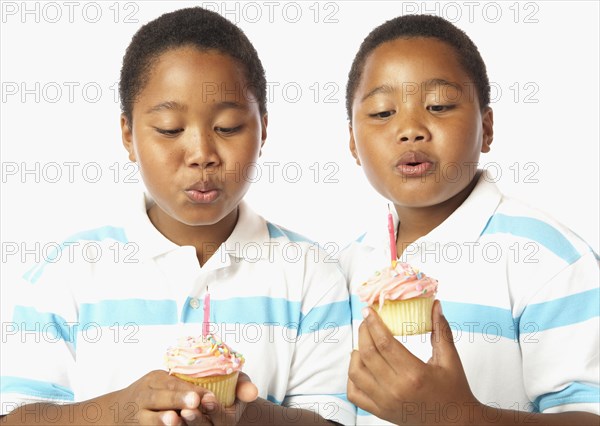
418 221
205 238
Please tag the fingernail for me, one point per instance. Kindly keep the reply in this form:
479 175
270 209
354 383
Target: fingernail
190 400
365 312
190 417
166 419
209 401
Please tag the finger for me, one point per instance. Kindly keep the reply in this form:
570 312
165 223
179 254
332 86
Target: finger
361 399
164 381
378 340
195 417
360 375
228 415
245 390
158 400
442 340
369 354
209 403
169 418
220 415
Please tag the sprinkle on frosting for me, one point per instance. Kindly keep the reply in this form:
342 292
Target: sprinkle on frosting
202 357
398 282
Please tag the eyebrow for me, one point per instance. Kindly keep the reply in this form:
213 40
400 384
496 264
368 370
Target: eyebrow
176 106
167 106
386 88
230 104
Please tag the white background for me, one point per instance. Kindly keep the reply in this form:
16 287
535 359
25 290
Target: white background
548 50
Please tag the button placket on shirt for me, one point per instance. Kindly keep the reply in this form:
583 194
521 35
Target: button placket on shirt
195 303
195 299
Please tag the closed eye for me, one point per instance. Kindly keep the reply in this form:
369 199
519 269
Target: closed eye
382 114
168 132
439 108
228 130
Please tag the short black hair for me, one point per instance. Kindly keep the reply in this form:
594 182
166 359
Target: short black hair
196 27
416 26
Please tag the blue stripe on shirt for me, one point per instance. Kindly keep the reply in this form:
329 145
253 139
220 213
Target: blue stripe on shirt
98 234
138 311
248 310
491 320
465 318
576 393
51 327
237 310
361 412
481 319
356 307
277 231
534 230
329 316
560 312
274 400
342 396
35 388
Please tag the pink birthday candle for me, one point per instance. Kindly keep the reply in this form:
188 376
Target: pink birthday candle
392 233
206 314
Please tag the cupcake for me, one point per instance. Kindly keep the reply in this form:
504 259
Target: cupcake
404 297
207 362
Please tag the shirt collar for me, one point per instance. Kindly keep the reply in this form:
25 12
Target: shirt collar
465 224
249 238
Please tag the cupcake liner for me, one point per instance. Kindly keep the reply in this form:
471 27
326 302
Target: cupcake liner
222 386
408 317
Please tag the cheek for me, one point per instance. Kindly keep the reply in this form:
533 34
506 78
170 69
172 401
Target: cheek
244 152
150 152
375 153
364 146
155 163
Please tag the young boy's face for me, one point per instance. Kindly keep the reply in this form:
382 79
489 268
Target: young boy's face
196 129
417 128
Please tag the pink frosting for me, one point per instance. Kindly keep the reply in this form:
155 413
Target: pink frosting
400 282
202 357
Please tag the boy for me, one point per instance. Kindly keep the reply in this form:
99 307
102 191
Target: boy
519 290
193 95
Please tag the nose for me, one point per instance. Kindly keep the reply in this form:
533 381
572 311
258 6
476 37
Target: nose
201 151
412 128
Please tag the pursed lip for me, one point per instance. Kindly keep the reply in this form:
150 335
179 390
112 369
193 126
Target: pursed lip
203 186
203 192
414 164
412 158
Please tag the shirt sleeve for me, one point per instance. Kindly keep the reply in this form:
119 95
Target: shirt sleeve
559 337
38 339
319 368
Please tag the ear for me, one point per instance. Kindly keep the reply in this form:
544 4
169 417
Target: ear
487 124
353 144
263 134
127 137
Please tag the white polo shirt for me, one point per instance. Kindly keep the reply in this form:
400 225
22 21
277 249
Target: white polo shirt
521 293
101 313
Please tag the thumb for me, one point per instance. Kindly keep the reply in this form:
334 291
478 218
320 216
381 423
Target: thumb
246 391
442 340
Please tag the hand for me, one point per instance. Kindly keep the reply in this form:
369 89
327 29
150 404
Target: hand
218 415
390 382
155 399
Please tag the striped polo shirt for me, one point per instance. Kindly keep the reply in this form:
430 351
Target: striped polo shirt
521 294
100 312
